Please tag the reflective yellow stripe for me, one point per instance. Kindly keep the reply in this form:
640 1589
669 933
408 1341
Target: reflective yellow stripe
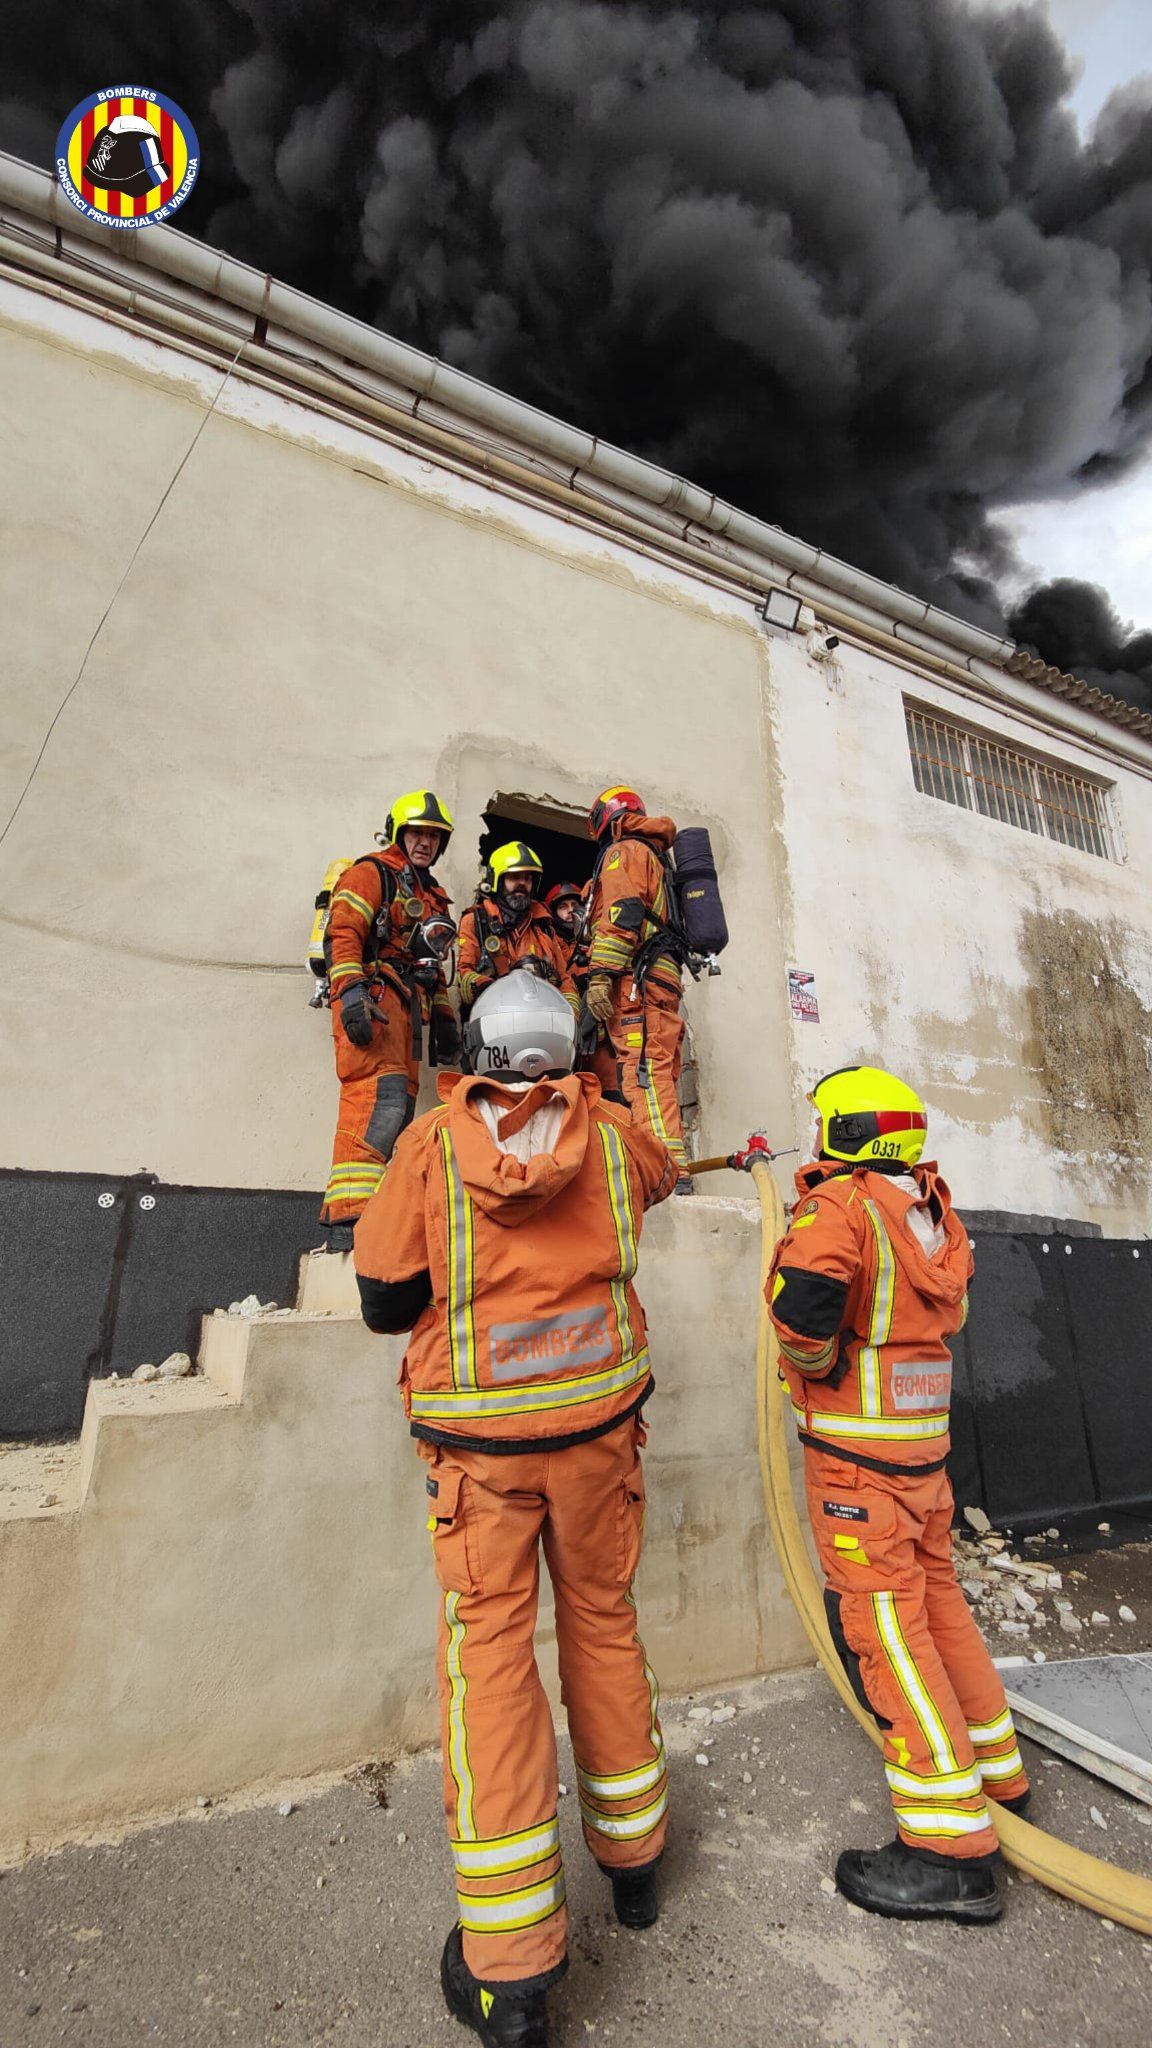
993 1768
626 1827
532 1400
620 1198
458 1762
503 1914
355 967
626 1784
880 1320
461 1259
357 902
808 1361
656 1119
942 1821
896 1428
943 1785
911 1683
507 1853
992 1731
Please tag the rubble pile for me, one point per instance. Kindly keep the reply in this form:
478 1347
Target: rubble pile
1018 1596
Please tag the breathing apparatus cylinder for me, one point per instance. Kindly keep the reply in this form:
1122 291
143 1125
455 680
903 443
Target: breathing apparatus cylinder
698 891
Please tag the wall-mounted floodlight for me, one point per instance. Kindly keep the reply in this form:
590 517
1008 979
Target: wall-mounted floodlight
781 608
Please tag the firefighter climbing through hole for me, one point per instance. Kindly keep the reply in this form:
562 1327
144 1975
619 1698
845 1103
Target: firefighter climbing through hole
509 927
387 933
865 1288
504 1236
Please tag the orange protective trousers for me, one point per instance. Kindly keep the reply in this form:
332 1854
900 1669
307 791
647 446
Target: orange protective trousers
489 1514
913 1652
378 1088
651 1025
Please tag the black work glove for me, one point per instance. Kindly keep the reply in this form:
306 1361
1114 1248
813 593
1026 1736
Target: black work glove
356 1010
447 1044
543 968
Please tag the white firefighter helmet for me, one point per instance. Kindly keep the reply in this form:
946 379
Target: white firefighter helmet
520 1028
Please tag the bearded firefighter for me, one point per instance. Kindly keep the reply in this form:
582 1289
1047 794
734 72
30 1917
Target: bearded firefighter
509 927
504 1236
865 1289
387 931
634 982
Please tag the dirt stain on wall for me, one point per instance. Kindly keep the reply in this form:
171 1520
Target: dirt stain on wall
1090 1037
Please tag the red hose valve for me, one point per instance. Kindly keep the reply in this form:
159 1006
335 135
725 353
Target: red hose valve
756 1148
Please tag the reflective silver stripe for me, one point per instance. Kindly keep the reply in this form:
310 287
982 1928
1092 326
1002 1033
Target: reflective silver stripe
628 1784
458 1760
880 1321
944 1785
461 1324
530 1400
512 1909
995 1767
626 1827
941 1820
992 1731
508 1853
897 1428
620 1198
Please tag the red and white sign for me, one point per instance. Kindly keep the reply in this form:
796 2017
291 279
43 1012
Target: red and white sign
802 997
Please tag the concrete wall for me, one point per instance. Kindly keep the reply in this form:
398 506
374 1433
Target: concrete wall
318 618
233 1582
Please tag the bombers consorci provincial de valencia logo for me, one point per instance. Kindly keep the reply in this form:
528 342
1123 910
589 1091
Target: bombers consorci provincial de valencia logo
127 157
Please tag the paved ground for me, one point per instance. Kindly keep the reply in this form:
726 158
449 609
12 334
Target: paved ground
326 1926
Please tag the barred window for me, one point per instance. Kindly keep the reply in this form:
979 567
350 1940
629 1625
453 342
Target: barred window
982 774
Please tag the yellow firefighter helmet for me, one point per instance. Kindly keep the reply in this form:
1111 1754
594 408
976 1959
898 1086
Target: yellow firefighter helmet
866 1115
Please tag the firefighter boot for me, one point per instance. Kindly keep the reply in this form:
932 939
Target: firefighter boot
634 1894
916 1884
502 2016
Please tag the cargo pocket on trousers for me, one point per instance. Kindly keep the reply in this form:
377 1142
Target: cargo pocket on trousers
630 1526
855 1530
452 1528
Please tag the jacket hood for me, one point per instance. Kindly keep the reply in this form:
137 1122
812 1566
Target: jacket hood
943 1278
662 830
509 1190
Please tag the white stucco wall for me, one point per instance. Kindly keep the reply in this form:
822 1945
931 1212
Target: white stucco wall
318 619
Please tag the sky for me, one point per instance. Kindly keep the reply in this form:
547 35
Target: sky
1103 536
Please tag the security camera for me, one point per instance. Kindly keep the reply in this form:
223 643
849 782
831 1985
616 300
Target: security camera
832 642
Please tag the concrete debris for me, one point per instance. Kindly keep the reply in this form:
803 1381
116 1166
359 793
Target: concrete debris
400 1840
319 1884
146 1372
563 1791
722 1714
978 1520
1014 1628
973 1587
701 1758
747 1777
1025 1599
1053 1535
175 1366
826 1885
50 1500
1125 1614
202 1801
1105 1528
1039 1657
1070 1623
285 1808
699 1713
1101 1620
1095 1814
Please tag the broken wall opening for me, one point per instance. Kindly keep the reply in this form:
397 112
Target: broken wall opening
558 833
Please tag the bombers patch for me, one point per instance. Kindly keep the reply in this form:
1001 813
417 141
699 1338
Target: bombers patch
127 157
845 1511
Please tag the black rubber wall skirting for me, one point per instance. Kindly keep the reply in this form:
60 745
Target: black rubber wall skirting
104 1272
1052 1411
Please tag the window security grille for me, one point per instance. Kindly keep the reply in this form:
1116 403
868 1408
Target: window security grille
980 774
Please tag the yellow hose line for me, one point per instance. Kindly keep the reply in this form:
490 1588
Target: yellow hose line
1120 1895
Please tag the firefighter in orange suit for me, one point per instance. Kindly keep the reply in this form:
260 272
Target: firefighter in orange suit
634 982
565 904
387 931
505 1237
869 1282
509 927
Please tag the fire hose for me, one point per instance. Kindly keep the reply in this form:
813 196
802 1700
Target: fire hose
1120 1895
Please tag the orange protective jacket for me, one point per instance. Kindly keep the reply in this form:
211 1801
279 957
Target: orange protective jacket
534 938
358 949
515 1277
862 1313
629 902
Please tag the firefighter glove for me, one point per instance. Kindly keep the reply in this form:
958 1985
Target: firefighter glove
598 998
543 968
356 1014
446 1041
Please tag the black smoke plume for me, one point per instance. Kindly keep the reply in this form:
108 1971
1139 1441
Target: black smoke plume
845 262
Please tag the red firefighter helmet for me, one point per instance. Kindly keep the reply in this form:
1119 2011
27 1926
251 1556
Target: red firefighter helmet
612 804
560 890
